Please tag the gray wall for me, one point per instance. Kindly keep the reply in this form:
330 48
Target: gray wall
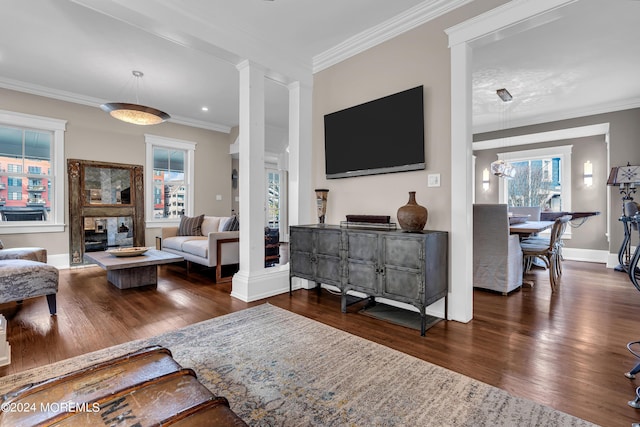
418 57
624 146
93 135
592 234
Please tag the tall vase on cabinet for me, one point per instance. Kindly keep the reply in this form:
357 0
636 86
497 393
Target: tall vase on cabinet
321 202
412 216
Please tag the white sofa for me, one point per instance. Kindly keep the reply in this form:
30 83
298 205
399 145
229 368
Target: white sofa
214 248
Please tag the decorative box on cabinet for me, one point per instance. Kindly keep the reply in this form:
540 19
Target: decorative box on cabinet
408 267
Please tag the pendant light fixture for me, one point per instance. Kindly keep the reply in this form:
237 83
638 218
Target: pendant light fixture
135 113
500 168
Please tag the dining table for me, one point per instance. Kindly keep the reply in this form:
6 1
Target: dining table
528 228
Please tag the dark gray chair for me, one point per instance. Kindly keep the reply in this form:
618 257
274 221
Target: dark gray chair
497 256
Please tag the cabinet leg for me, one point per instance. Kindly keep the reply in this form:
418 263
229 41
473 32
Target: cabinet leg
446 306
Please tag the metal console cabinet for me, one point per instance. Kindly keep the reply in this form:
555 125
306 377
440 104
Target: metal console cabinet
408 267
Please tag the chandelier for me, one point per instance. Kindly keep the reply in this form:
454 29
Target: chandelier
135 113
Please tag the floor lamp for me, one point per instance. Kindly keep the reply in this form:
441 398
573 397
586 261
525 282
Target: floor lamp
626 178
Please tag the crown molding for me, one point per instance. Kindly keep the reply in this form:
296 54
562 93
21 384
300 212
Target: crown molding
33 89
200 124
534 138
76 98
412 18
531 13
605 108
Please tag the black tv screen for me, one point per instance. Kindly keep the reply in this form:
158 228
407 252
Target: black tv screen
380 136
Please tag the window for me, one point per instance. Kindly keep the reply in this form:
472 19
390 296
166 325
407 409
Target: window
31 202
543 178
273 198
14 182
276 197
537 183
169 177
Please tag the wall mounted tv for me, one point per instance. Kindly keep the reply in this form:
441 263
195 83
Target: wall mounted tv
380 136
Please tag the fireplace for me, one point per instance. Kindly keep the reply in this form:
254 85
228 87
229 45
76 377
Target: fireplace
102 233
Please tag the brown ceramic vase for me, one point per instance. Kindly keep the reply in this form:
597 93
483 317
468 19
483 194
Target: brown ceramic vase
412 216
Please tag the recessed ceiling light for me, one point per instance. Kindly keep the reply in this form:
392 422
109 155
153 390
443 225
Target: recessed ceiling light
205 108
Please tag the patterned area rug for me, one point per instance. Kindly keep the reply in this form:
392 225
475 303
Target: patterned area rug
281 369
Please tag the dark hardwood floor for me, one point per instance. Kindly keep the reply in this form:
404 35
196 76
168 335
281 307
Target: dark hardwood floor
566 350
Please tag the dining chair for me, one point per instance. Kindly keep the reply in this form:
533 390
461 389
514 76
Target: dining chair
532 211
548 251
497 257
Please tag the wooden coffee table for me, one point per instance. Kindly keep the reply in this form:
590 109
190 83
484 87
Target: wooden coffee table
133 271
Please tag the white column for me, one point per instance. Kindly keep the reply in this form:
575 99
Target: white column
251 179
253 281
461 236
301 194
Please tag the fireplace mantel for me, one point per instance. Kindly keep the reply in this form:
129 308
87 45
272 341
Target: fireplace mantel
100 190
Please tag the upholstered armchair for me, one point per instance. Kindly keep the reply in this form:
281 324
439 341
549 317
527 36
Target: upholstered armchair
24 274
30 253
497 256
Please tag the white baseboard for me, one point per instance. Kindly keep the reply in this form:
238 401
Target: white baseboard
612 260
587 255
252 286
59 261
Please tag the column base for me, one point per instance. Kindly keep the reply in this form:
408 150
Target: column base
250 286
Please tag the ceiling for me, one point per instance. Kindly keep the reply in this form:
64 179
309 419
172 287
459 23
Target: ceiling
579 60
586 58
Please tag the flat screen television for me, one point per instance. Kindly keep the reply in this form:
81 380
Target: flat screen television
380 136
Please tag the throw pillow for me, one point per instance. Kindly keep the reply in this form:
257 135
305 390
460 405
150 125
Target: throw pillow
232 224
190 226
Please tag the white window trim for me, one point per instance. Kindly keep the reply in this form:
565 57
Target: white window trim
56 216
561 151
152 141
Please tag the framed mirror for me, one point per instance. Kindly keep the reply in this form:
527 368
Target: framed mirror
105 185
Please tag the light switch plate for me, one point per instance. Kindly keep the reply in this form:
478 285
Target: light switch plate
218 196
433 180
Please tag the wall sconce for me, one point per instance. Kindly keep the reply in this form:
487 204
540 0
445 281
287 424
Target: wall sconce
485 179
588 173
